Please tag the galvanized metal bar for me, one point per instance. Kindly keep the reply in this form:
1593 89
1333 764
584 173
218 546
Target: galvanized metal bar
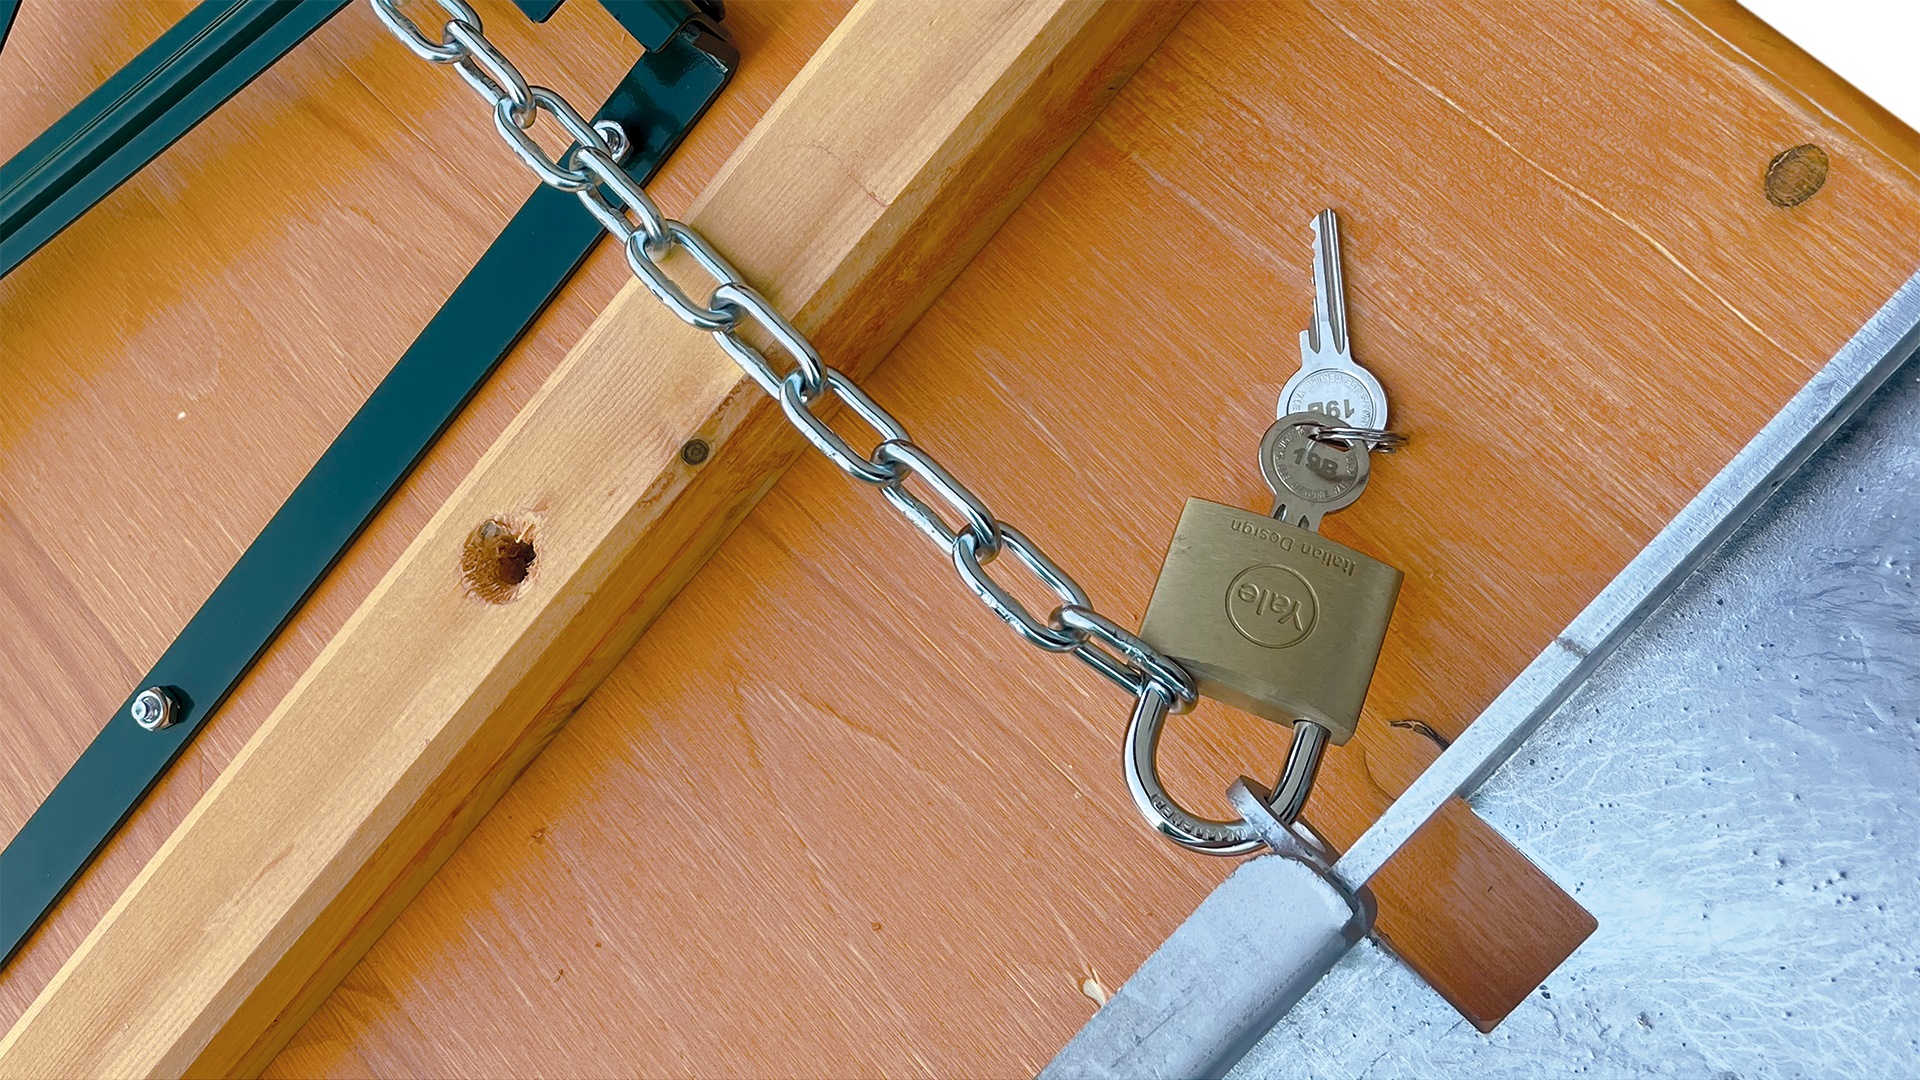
656 104
1744 830
1807 420
1232 970
175 83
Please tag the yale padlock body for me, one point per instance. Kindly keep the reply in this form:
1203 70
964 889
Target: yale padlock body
1271 618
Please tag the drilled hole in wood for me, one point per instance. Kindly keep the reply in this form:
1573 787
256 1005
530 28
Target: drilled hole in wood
497 557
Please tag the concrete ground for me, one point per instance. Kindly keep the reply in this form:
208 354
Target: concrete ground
1735 796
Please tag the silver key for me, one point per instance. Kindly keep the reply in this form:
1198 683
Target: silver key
1329 382
1310 477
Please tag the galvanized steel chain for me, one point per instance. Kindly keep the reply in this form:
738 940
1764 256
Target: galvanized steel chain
591 170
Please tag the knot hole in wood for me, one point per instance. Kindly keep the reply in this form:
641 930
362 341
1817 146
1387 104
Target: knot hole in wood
497 557
1796 174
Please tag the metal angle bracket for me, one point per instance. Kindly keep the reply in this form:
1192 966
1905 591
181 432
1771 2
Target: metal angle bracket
656 104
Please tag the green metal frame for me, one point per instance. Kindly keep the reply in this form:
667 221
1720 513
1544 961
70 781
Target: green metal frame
653 23
657 103
8 9
193 68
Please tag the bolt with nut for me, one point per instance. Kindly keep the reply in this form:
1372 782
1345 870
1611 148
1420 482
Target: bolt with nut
155 708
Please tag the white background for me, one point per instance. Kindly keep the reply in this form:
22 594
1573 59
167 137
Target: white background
1873 44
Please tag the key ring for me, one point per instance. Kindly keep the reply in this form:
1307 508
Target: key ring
1378 440
1182 826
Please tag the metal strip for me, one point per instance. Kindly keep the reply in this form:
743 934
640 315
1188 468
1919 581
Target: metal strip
513 281
1802 425
657 103
1259 942
8 9
187 73
653 23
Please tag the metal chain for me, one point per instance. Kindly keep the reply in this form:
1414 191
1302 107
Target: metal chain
591 171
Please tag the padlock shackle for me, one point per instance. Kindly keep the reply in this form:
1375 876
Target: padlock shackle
1209 837
1296 777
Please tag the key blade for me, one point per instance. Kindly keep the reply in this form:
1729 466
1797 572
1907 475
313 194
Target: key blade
1298 513
1329 329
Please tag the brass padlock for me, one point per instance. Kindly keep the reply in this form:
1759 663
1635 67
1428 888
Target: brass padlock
1271 617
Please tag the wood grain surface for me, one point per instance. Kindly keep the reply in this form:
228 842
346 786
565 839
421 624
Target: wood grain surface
1652 288
184 352
827 818
1483 966
920 129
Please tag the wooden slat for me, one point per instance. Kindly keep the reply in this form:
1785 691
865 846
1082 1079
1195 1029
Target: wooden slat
917 130
185 350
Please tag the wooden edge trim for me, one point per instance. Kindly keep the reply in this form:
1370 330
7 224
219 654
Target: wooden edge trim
1791 71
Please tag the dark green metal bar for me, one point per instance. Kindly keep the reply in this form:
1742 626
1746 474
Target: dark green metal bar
8 9
538 10
541 247
654 101
515 278
173 84
652 23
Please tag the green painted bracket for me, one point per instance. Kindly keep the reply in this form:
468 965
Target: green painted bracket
8 9
652 23
191 70
657 103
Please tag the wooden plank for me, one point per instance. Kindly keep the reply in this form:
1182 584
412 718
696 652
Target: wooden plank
184 352
828 819
919 129
1482 977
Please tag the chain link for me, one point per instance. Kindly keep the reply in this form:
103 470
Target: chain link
519 138
446 51
737 300
628 198
977 520
646 267
799 409
1138 665
591 171
490 73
